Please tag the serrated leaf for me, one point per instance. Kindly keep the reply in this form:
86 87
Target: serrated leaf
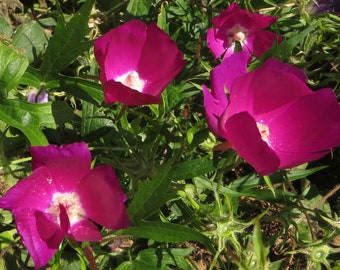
67 41
12 67
29 118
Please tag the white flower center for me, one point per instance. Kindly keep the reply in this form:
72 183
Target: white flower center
237 33
264 131
71 202
132 80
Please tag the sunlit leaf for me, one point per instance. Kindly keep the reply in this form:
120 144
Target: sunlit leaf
67 41
12 67
29 118
30 40
139 7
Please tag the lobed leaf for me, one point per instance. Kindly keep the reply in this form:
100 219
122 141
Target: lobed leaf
67 41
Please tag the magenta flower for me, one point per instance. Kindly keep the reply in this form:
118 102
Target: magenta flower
63 197
221 78
237 25
274 121
137 63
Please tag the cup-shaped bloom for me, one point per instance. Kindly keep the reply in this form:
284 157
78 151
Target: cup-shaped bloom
64 197
274 121
238 25
137 62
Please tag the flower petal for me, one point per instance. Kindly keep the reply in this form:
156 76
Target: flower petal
117 92
67 164
49 231
215 44
310 125
118 51
40 252
223 75
33 192
245 138
274 64
234 8
213 110
259 93
103 199
85 231
160 61
260 41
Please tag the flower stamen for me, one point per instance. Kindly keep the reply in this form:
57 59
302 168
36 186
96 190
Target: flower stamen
132 80
264 131
71 202
237 33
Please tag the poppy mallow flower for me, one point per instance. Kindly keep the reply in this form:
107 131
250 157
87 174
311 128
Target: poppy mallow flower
274 121
137 62
64 197
237 25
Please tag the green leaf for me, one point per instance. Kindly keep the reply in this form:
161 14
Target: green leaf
259 248
29 118
285 49
252 180
94 124
269 183
81 88
196 167
139 7
12 67
5 28
67 41
62 112
7 238
162 19
150 195
30 39
160 258
175 94
167 232
261 194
